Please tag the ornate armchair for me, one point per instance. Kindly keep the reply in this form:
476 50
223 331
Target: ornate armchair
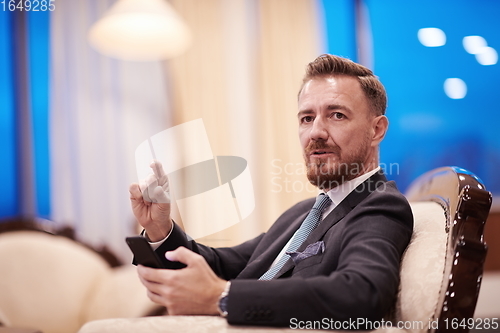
441 269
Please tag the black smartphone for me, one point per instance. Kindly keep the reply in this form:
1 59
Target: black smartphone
143 253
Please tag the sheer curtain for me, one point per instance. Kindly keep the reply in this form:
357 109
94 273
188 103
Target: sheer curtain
241 76
101 110
291 38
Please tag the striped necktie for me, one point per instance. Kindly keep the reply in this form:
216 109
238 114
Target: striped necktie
312 220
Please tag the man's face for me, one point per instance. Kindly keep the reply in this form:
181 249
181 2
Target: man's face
337 130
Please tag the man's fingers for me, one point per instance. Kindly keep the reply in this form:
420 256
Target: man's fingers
165 185
155 281
159 195
153 291
183 255
155 187
135 191
148 274
147 187
152 287
159 172
160 175
156 298
143 187
152 184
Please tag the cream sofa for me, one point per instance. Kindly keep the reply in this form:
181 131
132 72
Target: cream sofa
55 284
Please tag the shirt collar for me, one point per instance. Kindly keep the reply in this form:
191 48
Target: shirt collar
339 193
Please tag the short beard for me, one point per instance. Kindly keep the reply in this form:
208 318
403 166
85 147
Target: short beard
328 174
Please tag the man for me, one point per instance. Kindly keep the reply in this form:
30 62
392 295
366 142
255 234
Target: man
338 261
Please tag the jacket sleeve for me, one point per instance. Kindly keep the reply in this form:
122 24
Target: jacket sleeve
226 262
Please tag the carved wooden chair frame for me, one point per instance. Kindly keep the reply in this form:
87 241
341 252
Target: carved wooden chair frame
467 204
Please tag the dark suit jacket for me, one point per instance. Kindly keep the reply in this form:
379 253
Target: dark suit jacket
356 276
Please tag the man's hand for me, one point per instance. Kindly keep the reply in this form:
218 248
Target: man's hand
151 203
191 290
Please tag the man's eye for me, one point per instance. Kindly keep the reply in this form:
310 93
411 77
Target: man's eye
338 115
306 119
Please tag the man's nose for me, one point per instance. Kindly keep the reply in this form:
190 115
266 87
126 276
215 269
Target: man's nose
319 129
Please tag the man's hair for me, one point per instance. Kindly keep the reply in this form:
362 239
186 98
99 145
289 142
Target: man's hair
330 65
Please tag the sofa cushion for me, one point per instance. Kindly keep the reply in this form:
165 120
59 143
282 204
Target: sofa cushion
46 280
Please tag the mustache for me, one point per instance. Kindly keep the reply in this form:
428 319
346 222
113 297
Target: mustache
314 145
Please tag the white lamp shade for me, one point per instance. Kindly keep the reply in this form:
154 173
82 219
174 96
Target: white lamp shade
141 30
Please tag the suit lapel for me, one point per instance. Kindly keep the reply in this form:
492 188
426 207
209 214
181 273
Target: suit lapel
338 213
262 263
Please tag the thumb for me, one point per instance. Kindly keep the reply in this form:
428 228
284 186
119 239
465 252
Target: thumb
183 255
160 196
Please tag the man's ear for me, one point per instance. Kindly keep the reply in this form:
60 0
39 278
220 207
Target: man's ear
379 128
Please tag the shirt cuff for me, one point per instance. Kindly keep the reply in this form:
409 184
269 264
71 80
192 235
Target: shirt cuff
155 245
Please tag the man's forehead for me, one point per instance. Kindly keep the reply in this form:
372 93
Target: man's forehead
339 90
332 87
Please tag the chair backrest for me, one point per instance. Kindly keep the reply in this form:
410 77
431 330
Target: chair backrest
442 268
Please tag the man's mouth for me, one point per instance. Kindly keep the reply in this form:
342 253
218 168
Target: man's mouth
320 152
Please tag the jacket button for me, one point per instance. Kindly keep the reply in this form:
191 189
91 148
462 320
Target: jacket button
261 315
249 315
269 315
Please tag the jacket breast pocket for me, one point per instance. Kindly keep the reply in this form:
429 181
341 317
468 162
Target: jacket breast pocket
308 262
